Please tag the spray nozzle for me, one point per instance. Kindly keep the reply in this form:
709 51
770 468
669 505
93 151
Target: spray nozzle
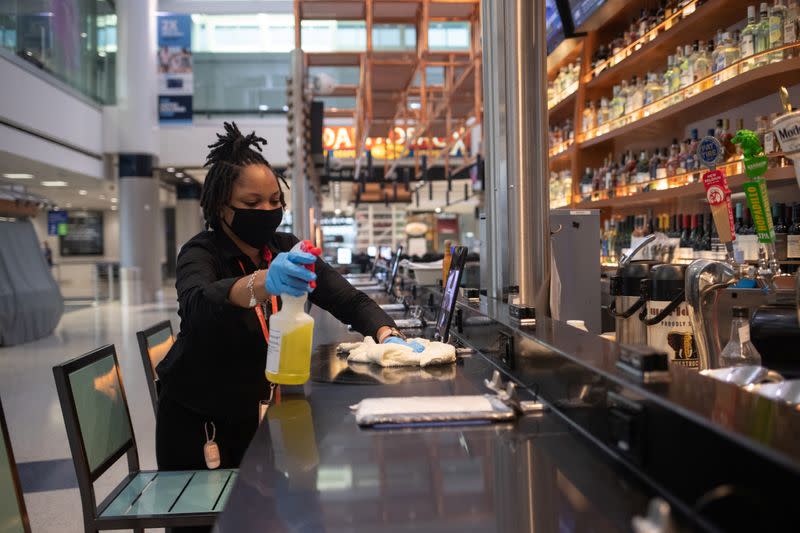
309 248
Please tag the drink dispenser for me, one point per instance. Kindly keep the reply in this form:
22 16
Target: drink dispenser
666 315
628 302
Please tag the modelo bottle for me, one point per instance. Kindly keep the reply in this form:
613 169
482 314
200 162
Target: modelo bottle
291 332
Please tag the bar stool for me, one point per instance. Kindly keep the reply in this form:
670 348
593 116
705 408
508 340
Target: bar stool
154 343
13 515
99 431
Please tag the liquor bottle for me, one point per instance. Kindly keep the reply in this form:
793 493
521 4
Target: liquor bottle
672 162
739 351
643 168
777 15
779 223
604 113
617 106
694 233
653 90
635 99
589 118
793 236
691 160
586 183
653 164
790 26
762 35
661 172
728 52
697 233
701 68
686 235
671 79
725 138
747 46
675 227
684 67
707 231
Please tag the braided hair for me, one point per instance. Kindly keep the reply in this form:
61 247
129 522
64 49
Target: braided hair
228 156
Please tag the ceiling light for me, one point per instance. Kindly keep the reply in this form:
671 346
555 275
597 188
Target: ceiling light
84 35
83 192
101 54
337 212
102 196
170 169
114 200
414 105
55 183
18 176
179 174
113 208
285 108
187 180
68 205
438 209
263 107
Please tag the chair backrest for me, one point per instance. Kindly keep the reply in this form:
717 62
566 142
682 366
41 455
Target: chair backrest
96 416
13 516
154 343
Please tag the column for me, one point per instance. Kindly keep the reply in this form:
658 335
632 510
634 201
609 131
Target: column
515 116
188 215
140 269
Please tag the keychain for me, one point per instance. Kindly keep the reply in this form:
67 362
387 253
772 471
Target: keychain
210 449
263 405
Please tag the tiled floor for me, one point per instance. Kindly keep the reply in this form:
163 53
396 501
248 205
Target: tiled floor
34 416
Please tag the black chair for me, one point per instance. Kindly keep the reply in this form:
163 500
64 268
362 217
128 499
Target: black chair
13 515
99 431
154 343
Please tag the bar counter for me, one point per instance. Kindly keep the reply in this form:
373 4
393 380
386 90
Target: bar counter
311 468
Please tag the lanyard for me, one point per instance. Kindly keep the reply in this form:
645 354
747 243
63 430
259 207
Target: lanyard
259 311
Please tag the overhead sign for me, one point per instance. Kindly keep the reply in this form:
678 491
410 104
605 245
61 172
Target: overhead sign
175 70
341 141
56 222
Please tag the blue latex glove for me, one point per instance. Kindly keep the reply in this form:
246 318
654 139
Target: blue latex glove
287 275
417 347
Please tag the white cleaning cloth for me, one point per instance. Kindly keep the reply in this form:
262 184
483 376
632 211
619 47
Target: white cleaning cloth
435 353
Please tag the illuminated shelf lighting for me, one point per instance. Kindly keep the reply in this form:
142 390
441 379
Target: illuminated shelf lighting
559 148
680 96
732 169
623 54
571 89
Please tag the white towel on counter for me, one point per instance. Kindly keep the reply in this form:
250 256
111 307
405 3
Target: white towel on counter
368 351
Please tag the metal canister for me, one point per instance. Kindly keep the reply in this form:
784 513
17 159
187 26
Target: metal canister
666 315
625 288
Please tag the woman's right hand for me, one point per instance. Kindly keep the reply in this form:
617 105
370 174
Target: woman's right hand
288 275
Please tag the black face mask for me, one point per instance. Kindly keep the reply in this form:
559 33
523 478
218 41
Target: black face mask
255 226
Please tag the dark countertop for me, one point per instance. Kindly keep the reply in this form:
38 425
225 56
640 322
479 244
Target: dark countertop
311 468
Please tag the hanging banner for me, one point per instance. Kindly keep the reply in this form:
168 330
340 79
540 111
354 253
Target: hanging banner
175 73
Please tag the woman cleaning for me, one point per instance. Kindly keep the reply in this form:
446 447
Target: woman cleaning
228 280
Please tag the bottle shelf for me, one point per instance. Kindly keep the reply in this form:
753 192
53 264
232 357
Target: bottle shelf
561 150
728 88
565 106
649 53
660 191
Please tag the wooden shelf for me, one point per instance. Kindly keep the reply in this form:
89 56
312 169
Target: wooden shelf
652 56
565 53
774 176
738 90
564 109
563 156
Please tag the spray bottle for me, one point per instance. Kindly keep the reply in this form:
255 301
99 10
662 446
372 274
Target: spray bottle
290 335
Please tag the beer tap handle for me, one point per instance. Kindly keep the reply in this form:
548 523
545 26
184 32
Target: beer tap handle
629 256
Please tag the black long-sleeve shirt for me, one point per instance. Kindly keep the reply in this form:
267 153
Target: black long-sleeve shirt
216 366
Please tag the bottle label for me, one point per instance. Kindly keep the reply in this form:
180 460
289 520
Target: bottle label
758 201
744 334
769 142
748 45
748 244
274 352
789 32
673 335
793 246
775 31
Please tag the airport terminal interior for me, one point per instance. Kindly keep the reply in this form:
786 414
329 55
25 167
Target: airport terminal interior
399 265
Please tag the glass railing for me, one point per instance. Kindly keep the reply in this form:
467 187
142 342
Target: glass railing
74 41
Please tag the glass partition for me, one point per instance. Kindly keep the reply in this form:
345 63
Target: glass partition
448 36
72 40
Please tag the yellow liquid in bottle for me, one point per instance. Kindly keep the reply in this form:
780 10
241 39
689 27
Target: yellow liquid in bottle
295 362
